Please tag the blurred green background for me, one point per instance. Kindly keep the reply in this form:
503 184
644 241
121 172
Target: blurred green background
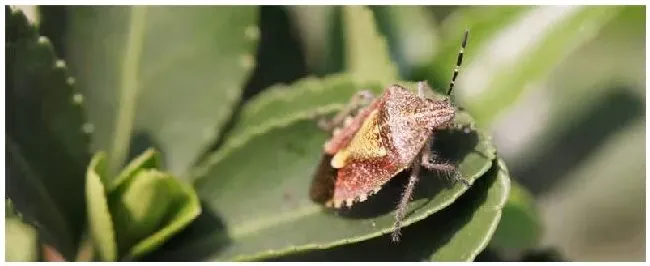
565 101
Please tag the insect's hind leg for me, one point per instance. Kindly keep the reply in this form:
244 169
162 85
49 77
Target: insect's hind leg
358 101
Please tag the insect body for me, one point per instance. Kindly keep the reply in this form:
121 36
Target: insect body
388 135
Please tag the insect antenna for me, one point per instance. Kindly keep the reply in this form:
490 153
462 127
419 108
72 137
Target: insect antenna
459 62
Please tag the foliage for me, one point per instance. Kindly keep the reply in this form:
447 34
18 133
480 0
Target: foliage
147 143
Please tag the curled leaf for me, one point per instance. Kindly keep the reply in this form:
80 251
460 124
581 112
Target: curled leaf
142 210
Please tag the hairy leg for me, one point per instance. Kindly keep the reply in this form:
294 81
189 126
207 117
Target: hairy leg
406 197
432 162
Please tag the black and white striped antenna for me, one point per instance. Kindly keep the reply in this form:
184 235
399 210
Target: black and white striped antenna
459 62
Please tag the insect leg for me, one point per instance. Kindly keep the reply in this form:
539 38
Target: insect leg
406 197
359 100
432 162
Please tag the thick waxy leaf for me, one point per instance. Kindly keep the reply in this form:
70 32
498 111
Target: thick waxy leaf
168 76
366 51
266 210
47 149
457 233
141 210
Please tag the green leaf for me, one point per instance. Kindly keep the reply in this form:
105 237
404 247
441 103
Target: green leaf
100 221
457 233
266 209
20 241
145 207
366 52
305 97
520 226
474 236
47 150
149 159
139 208
493 80
183 208
167 75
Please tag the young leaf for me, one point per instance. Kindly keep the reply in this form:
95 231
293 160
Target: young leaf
100 221
457 233
266 209
183 209
139 208
149 206
47 149
170 75
367 54
142 210
149 159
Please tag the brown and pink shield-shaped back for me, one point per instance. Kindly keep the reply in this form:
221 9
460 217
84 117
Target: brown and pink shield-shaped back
381 141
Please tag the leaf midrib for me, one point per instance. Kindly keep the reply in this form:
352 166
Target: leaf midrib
129 85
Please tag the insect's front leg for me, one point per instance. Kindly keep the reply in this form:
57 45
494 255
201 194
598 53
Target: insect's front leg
432 162
358 101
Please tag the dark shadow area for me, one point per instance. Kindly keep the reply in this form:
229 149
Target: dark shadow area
204 237
384 22
335 62
45 151
140 142
280 58
454 144
545 254
53 23
451 145
489 255
577 141
419 241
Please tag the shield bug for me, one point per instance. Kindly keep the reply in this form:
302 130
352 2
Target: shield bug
375 138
